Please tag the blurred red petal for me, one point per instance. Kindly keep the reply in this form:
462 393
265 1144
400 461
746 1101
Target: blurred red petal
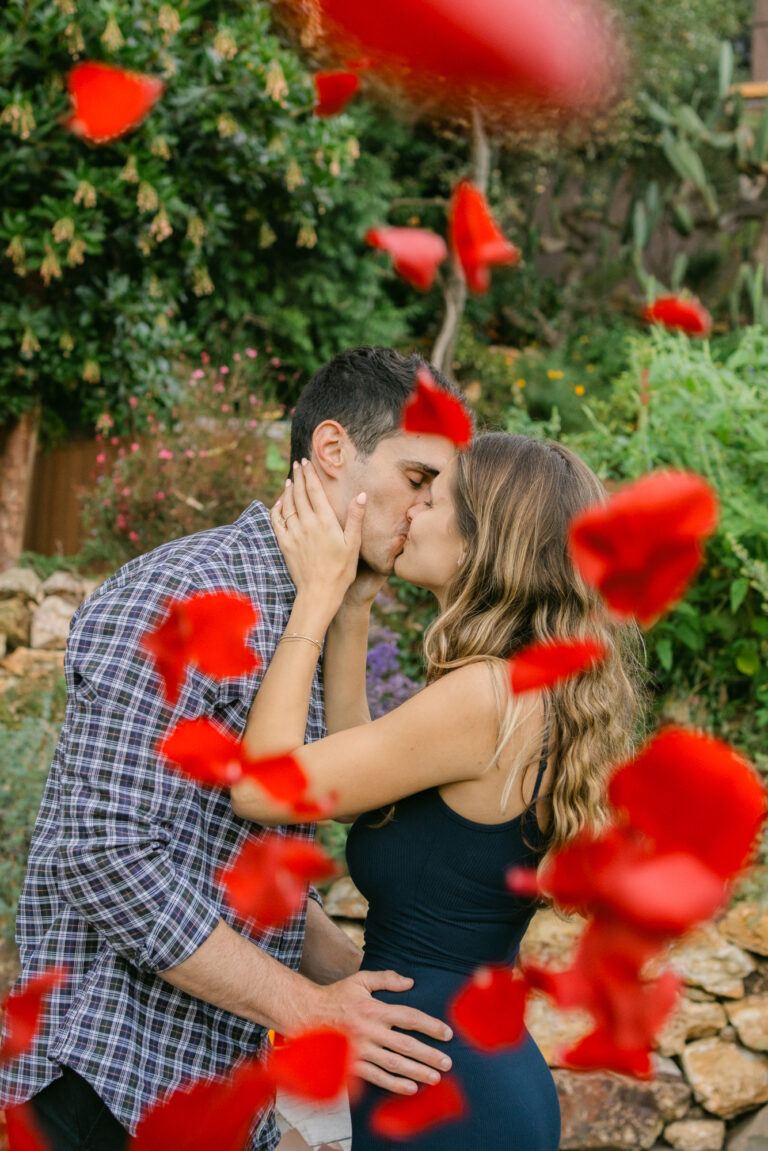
431 411
204 1115
281 776
107 102
23 1011
665 894
489 1011
476 238
406 1115
547 662
168 645
642 546
416 252
315 1065
685 314
556 53
689 792
334 91
22 1131
201 750
268 881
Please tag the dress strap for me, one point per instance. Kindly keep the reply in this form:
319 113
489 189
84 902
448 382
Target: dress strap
544 754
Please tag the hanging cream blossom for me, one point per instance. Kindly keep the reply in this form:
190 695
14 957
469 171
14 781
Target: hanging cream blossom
17 254
266 236
73 34
224 44
155 287
147 199
202 284
196 230
66 342
91 372
227 126
50 269
159 147
29 344
85 194
129 171
161 227
76 252
276 87
63 229
293 176
307 237
169 22
20 118
112 38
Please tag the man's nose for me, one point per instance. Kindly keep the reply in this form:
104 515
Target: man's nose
415 508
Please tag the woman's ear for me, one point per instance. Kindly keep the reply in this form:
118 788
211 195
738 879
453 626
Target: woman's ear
330 449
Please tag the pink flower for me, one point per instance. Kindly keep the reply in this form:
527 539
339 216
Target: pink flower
253 424
189 454
252 400
202 453
107 503
224 370
225 407
275 362
165 454
198 374
122 523
114 441
205 357
236 357
121 452
99 437
218 386
251 353
249 458
133 536
281 376
101 458
125 492
133 401
159 495
134 447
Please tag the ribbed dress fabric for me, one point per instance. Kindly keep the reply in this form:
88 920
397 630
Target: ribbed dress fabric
438 909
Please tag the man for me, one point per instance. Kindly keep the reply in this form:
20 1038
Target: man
165 984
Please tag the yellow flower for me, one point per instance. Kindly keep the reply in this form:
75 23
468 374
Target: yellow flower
590 367
583 339
520 383
579 389
112 38
66 342
554 375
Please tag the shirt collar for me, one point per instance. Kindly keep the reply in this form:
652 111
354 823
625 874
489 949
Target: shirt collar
256 523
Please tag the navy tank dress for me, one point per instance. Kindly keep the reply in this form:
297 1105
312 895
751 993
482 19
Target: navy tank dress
438 909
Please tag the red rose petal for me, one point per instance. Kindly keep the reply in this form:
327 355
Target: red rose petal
489 1010
268 881
107 102
416 252
23 1011
642 546
476 238
281 776
334 91
315 1065
685 314
406 1115
201 750
22 1131
545 663
431 411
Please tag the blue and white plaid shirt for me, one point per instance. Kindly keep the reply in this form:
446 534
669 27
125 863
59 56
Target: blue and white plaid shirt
120 879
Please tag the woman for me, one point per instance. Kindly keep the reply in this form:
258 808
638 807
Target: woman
479 781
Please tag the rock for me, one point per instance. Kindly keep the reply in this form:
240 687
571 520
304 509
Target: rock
90 585
27 663
345 901
603 1110
696 1134
66 585
751 1134
692 1020
750 1018
551 939
553 1030
20 582
746 925
726 1079
14 621
672 1094
706 959
3 645
50 623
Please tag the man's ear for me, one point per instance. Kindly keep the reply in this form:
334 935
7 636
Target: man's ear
331 448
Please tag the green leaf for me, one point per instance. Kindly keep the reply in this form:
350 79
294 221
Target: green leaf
748 661
664 653
739 589
725 69
273 460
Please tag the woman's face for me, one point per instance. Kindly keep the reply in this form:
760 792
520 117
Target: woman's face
434 548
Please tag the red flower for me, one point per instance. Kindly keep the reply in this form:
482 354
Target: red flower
208 1114
545 663
415 252
490 1009
107 102
681 314
315 1065
23 1011
643 546
208 629
406 1115
204 752
334 91
22 1132
691 793
283 778
268 881
555 53
476 238
432 411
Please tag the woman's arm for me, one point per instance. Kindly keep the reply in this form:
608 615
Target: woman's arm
346 653
322 559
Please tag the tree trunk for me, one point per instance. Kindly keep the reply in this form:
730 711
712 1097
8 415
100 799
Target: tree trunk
18 444
455 286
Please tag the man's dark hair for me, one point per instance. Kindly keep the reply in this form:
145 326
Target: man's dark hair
364 389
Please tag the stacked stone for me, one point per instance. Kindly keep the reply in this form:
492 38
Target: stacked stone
36 614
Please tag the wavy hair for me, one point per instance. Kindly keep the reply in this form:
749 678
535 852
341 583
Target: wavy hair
514 498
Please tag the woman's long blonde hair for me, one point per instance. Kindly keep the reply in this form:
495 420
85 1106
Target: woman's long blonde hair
514 499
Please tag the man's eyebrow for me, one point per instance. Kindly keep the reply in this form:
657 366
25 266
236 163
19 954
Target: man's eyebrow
417 465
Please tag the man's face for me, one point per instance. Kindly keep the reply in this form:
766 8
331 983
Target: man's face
396 477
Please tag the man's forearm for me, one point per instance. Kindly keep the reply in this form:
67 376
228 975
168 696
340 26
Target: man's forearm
230 972
329 954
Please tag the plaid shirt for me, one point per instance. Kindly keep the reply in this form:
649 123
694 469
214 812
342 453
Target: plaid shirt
120 879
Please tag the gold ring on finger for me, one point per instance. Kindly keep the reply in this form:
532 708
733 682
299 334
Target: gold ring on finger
285 521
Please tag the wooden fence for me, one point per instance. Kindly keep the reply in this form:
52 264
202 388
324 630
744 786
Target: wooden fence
53 516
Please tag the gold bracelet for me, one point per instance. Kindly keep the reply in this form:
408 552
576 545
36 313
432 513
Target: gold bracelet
308 638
